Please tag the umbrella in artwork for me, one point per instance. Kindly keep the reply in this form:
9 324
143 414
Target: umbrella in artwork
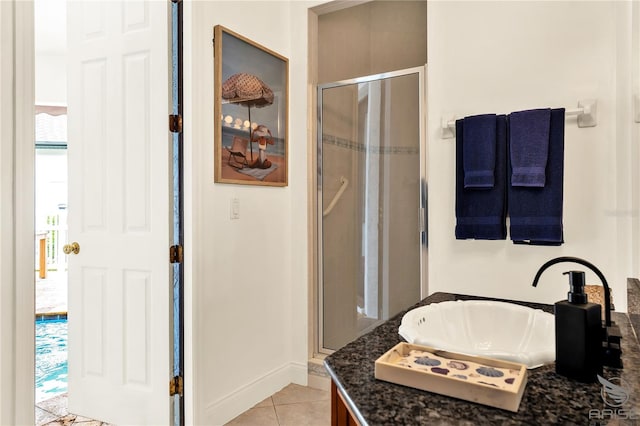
249 90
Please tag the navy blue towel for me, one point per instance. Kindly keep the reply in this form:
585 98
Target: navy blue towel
529 146
481 213
479 151
536 213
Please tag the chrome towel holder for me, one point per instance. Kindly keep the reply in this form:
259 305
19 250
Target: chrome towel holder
586 112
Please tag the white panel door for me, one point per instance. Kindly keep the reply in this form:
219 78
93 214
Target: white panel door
119 285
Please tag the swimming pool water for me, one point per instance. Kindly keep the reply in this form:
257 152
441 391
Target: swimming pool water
51 358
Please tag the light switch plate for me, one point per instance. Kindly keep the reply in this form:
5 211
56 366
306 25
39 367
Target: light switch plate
234 209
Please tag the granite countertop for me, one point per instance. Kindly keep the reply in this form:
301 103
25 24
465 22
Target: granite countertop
548 397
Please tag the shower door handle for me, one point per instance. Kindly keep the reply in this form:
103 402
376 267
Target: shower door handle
423 226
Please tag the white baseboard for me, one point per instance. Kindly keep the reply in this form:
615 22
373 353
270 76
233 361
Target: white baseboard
299 373
237 402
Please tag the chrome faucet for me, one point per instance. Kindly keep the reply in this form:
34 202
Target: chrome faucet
611 332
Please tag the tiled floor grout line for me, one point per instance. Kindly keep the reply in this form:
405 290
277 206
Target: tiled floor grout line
286 404
56 415
275 411
48 412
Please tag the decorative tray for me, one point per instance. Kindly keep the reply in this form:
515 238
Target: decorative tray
487 381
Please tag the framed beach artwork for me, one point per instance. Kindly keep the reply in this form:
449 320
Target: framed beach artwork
250 111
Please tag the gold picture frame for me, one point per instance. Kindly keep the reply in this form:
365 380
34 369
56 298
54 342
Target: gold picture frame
250 112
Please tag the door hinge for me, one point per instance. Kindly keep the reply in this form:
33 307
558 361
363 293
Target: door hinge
175 254
175 123
176 386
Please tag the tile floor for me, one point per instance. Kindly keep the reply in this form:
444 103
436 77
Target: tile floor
293 405
53 412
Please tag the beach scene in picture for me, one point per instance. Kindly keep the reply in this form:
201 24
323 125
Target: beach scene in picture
252 106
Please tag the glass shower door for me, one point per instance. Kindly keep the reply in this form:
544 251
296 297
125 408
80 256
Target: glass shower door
371 174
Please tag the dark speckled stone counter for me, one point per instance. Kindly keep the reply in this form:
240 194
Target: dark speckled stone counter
633 303
548 397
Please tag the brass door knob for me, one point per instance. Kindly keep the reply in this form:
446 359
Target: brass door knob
74 248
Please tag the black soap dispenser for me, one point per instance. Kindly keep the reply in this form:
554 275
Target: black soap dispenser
578 333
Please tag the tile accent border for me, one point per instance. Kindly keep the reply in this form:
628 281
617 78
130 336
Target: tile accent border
373 149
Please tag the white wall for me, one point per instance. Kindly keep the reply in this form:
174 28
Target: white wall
16 214
7 307
51 79
50 21
248 282
509 56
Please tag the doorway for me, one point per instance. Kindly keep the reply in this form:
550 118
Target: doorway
51 262
50 216
371 202
357 257
119 150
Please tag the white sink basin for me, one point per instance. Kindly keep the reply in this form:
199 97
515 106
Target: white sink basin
484 328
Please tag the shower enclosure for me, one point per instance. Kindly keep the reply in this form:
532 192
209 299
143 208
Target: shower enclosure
372 235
